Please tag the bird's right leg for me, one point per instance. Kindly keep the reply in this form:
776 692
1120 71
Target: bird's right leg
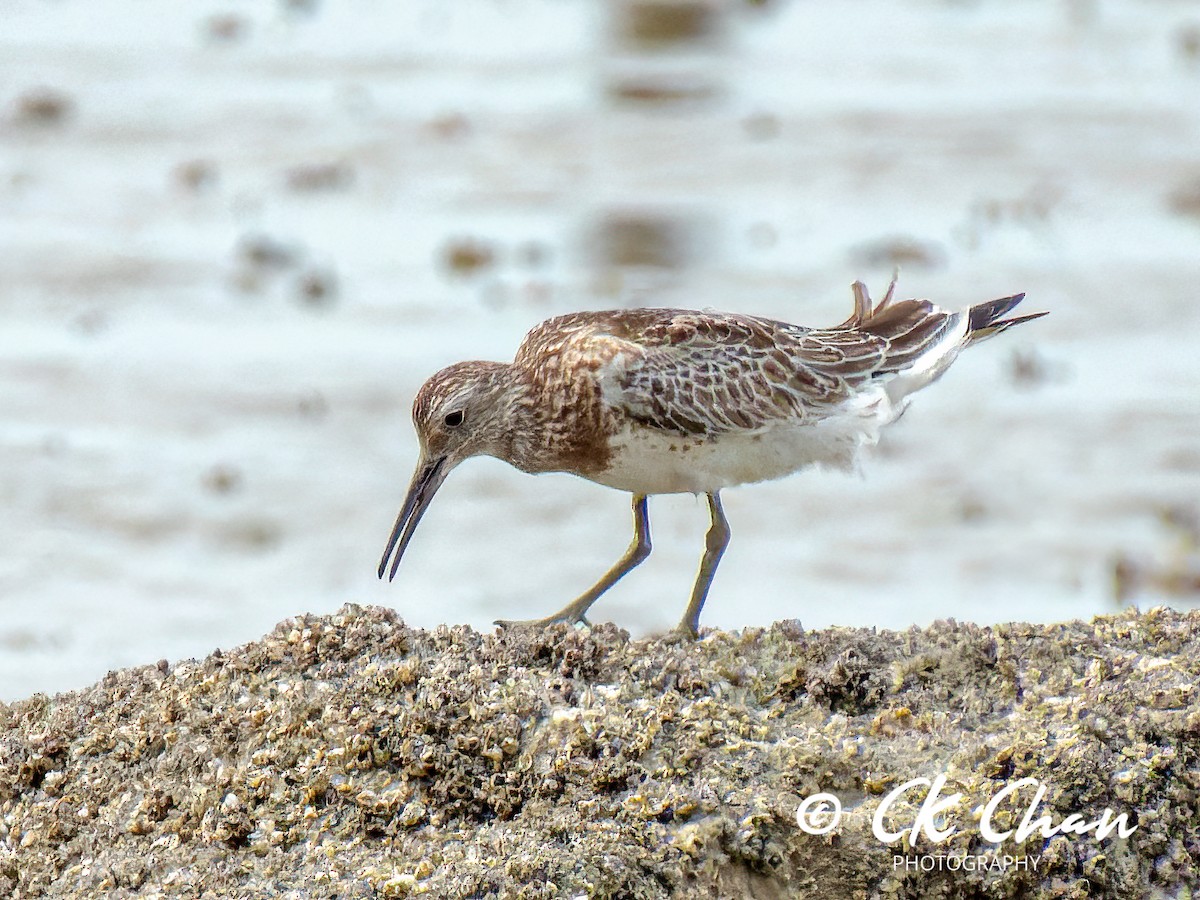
715 543
639 549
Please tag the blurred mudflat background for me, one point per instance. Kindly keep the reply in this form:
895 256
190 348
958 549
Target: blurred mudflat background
237 237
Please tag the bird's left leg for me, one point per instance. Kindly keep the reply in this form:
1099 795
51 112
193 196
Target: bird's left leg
715 543
639 549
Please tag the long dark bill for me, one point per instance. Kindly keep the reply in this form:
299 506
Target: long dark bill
426 480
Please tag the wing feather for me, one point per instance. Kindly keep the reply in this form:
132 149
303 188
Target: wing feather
706 374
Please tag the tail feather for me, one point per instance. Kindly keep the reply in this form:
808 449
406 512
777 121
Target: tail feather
985 318
984 314
864 309
909 343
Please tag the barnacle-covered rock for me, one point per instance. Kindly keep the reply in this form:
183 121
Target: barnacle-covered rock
351 756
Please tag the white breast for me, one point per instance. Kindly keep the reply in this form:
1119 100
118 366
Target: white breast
648 461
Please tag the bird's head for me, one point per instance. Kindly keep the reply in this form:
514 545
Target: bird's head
462 411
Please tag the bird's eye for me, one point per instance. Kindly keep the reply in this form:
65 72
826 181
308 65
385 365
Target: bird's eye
454 419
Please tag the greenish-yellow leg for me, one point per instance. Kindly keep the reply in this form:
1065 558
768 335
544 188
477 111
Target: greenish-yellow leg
714 545
638 550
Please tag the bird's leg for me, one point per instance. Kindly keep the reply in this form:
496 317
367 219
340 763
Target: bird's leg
639 549
714 545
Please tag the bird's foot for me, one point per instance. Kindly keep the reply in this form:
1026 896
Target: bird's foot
543 623
683 633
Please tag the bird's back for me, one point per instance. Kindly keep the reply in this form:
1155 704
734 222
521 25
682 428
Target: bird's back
710 372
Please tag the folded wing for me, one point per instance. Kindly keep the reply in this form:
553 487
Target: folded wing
711 374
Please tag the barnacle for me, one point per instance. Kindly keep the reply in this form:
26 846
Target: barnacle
350 750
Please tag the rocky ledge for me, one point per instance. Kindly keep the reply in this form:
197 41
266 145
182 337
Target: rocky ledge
351 756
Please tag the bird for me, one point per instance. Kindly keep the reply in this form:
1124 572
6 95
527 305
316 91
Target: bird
665 401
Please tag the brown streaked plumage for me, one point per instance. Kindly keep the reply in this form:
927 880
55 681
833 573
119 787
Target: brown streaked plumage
655 401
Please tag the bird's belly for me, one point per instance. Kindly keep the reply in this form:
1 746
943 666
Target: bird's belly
648 461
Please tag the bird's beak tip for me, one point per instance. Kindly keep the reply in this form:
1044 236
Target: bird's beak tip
429 475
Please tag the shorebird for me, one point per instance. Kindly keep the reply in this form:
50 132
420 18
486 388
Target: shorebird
666 401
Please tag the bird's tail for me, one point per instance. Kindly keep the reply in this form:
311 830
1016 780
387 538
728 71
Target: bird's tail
985 318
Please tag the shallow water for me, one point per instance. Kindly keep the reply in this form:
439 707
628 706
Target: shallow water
237 241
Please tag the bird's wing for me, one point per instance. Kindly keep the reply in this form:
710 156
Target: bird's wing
706 374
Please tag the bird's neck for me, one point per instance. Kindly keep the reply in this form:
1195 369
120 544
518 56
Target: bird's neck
555 430
524 440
